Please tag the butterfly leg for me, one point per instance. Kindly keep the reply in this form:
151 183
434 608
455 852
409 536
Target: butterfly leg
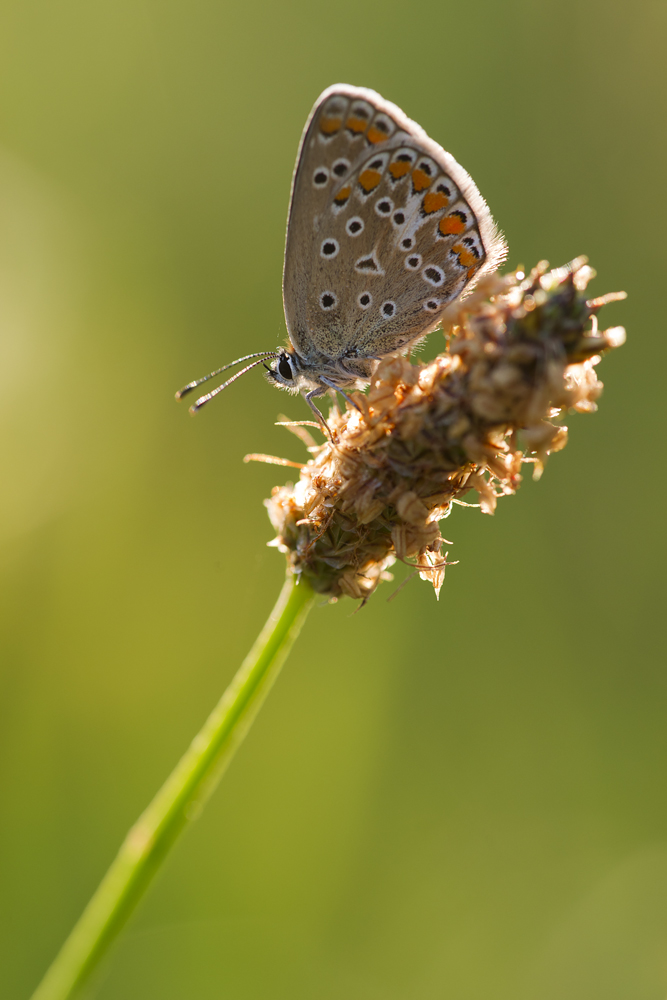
309 399
336 388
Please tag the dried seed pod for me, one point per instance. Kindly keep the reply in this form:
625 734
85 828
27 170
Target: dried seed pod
521 351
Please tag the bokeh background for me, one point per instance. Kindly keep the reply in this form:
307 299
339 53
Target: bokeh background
457 799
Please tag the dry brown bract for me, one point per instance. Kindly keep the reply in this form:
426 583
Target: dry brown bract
522 350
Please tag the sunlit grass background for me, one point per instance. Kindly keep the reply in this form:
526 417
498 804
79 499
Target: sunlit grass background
464 799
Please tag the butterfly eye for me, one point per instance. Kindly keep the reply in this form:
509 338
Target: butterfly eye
284 368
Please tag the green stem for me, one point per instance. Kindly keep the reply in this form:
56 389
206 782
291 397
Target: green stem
178 801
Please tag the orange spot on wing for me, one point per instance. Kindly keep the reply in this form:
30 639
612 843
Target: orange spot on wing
471 271
343 195
357 125
434 201
451 224
370 179
376 134
466 258
330 125
399 169
420 180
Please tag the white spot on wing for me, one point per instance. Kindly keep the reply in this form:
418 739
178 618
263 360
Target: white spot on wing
329 248
369 264
434 275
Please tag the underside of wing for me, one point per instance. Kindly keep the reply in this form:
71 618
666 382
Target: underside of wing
385 229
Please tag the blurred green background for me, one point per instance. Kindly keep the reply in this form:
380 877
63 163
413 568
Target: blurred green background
464 799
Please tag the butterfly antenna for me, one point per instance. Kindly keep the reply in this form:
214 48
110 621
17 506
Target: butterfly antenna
193 385
197 405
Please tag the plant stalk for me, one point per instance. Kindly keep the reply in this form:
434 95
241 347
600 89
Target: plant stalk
179 800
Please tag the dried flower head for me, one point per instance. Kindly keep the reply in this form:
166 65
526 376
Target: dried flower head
521 351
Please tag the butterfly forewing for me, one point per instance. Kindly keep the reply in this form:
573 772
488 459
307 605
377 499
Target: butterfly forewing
385 229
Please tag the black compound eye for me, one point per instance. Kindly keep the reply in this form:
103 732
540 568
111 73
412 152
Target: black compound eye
285 368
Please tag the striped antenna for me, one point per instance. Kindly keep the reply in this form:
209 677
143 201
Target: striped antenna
214 392
193 385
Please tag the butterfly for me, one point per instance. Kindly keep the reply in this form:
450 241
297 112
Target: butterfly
384 230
